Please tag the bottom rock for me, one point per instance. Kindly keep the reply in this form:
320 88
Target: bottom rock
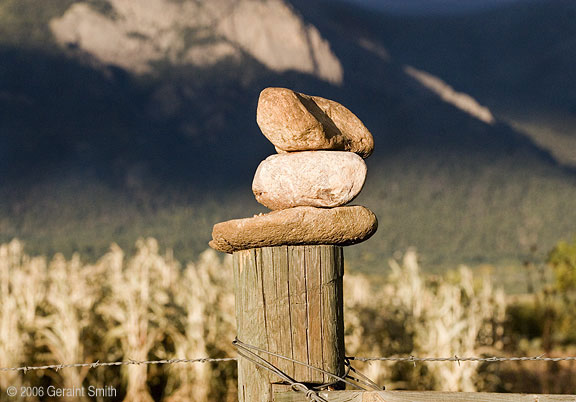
300 225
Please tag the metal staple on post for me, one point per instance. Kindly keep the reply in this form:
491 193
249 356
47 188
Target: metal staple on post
245 352
366 381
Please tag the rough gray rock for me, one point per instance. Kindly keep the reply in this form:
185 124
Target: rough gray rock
298 122
311 178
300 225
136 34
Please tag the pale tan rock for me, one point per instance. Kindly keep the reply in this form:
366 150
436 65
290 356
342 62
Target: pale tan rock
137 34
298 122
300 225
310 178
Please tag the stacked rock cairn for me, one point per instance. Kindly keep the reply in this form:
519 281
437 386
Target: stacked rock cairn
318 169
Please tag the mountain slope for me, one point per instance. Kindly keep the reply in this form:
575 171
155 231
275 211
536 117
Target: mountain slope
517 59
196 33
490 187
99 146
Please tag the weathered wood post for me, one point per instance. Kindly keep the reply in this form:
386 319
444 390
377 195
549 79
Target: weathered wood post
289 301
288 264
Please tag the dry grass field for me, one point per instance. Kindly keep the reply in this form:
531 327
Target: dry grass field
148 306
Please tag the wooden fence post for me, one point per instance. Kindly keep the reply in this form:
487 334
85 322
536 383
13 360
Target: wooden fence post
289 301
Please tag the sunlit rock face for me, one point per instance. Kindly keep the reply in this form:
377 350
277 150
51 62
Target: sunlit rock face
462 101
135 34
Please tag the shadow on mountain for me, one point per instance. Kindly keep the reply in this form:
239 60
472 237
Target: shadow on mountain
91 154
198 126
517 59
400 111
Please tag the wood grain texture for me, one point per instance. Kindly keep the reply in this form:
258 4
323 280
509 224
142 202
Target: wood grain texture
251 321
314 301
289 301
332 271
298 310
423 396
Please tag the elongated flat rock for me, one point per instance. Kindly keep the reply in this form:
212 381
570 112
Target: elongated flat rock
300 225
311 178
296 122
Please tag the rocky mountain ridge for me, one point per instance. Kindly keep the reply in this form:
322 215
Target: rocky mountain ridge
135 35
132 125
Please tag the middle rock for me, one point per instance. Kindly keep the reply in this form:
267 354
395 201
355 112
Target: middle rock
310 178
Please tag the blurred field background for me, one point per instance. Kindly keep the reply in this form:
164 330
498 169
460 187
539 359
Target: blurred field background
148 306
120 123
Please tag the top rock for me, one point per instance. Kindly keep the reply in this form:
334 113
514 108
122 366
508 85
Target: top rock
298 122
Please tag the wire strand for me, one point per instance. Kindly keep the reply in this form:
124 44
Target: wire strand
411 359
465 359
58 367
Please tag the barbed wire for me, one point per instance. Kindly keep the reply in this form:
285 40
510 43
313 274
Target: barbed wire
410 359
58 367
458 359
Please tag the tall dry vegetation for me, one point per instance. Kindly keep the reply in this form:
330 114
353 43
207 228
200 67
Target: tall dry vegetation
139 308
149 307
424 316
